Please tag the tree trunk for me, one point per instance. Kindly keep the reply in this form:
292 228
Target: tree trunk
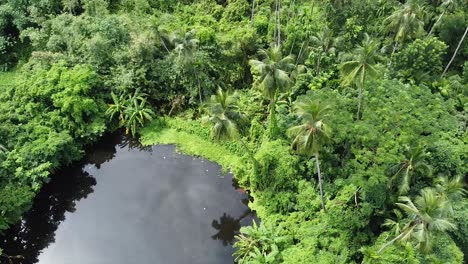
199 90
390 242
255 162
279 23
433 26
359 103
320 181
361 90
253 13
317 69
395 47
272 125
289 12
292 45
455 53
275 31
299 56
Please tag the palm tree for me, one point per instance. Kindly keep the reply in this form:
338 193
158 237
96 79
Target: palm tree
446 6
414 163
273 72
312 133
185 51
185 47
224 116
325 44
456 51
359 65
425 217
451 190
405 22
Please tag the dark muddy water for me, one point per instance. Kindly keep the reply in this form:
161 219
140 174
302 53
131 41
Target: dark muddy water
124 204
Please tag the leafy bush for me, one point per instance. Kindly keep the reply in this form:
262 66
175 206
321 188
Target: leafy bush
420 60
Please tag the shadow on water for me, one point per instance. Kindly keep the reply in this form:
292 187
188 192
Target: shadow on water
227 226
69 185
37 230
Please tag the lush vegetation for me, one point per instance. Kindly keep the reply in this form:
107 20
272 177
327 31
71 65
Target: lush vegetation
345 120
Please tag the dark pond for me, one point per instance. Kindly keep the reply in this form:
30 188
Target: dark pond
124 204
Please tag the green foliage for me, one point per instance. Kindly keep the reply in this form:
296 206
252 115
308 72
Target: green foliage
193 138
360 65
225 116
460 236
420 61
132 110
273 78
14 201
414 163
53 113
259 244
85 61
278 167
406 22
450 30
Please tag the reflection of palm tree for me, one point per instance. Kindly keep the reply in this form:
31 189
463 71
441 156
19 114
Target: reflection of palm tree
133 143
37 229
228 227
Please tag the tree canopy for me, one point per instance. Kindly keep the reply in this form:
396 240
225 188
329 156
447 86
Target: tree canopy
372 96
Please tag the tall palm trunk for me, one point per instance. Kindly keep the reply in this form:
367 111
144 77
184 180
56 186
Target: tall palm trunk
455 53
273 126
163 42
360 96
253 13
251 155
320 181
391 242
433 26
289 12
395 47
199 90
317 69
279 22
358 116
299 56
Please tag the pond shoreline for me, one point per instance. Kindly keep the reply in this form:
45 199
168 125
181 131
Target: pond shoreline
78 191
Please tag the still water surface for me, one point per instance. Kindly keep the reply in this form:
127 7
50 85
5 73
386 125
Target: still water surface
124 204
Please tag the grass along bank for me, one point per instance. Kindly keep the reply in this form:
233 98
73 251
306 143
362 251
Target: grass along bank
192 138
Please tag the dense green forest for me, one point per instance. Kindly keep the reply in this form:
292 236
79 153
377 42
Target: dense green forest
346 120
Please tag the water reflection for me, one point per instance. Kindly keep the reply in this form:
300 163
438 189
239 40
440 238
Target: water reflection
37 229
228 227
146 205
